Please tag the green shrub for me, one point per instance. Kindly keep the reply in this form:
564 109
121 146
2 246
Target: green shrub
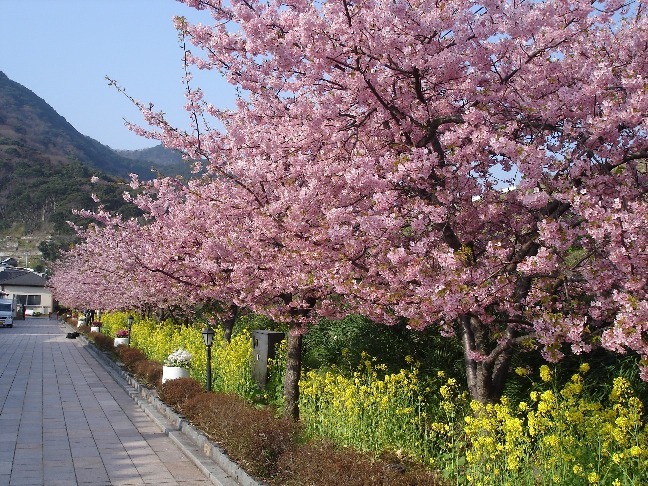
343 343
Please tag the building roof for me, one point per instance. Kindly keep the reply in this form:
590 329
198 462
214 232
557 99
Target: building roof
21 276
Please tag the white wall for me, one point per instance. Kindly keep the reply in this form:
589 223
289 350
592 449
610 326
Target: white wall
46 305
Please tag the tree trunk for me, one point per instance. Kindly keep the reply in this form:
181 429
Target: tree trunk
229 321
293 374
487 361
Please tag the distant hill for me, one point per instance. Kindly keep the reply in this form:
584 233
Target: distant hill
29 120
162 156
46 166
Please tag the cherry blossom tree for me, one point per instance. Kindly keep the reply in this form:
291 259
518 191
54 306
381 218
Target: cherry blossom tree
399 124
197 243
477 167
147 263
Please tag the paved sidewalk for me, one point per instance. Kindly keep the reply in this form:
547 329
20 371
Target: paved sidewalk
65 421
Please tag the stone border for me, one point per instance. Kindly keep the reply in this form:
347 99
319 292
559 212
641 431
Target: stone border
222 472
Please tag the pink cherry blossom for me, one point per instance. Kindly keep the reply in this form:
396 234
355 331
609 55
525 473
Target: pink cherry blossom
478 168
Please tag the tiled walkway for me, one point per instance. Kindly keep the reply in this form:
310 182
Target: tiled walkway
65 421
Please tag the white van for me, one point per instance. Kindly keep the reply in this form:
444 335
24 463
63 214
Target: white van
7 312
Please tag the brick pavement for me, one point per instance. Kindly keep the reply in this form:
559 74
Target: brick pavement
64 420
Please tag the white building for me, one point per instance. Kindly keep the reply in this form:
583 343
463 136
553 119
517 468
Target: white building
29 288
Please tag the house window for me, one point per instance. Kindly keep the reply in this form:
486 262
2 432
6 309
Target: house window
29 299
33 300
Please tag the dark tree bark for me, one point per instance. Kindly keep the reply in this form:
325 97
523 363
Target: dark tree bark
487 361
229 321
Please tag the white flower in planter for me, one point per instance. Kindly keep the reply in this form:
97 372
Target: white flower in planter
179 357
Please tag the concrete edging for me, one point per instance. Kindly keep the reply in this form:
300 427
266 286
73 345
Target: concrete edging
191 440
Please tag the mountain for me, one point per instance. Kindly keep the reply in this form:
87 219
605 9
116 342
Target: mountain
45 171
29 120
162 156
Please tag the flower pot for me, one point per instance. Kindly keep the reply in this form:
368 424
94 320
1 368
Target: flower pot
121 341
174 372
95 329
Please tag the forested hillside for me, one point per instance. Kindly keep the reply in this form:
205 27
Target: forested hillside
46 166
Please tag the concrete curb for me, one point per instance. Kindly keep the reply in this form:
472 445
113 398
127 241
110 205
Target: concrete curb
205 454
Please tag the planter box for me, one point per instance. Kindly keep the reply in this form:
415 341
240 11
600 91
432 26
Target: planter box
95 329
174 372
121 342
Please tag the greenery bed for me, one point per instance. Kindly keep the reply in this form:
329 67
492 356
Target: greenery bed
400 420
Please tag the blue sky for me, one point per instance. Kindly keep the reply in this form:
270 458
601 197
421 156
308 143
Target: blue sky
62 50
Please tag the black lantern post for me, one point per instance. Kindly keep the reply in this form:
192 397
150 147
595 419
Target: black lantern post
130 320
208 338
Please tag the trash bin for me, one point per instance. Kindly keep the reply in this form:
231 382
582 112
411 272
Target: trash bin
264 344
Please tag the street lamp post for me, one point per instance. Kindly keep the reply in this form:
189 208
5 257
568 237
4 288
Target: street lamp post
208 338
130 320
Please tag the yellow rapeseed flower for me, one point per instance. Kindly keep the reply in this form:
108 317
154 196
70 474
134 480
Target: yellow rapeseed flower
551 440
620 388
521 371
545 373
